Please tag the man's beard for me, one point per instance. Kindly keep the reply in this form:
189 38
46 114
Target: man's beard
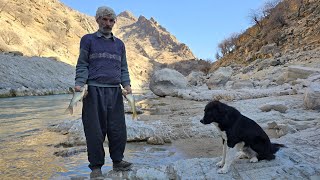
105 30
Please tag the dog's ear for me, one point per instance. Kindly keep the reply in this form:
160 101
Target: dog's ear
220 107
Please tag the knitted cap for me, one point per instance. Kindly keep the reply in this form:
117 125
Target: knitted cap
105 11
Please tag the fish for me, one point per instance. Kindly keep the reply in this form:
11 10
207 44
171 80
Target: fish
77 96
132 104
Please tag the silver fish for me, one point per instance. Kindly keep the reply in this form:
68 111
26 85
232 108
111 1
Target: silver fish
77 96
132 104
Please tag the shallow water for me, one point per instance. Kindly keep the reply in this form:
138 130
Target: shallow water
27 147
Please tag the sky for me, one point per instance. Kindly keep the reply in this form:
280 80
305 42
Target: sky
200 24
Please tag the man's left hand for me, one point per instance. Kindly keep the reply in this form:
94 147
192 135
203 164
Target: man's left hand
128 89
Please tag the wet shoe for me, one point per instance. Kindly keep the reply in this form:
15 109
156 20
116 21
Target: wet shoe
96 173
122 166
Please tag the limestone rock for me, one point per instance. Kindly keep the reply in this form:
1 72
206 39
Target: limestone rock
155 140
166 81
312 96
196 78
274 106
241 84
219 78
295 72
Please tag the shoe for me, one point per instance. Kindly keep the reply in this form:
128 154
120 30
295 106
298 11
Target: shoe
122 166
96 173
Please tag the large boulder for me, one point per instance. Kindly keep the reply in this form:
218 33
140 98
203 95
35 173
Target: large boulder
243 84
219 78
312 96
166 82
196 78
298 72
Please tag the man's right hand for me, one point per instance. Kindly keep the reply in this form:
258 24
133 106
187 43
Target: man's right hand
77 88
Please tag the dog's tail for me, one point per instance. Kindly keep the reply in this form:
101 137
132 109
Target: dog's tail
275 147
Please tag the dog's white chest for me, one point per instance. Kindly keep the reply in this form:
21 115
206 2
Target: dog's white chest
223 133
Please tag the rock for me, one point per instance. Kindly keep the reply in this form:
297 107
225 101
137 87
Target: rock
195 78
295 72
263 65
14 53
27 76
273 106
311 98
70 151
281 129
281 79
265 83
166 81
229 85
242 84
167 140
275 62
219 78
269 49
155 140
272 125
127 14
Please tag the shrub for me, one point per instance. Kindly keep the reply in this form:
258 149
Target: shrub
10 37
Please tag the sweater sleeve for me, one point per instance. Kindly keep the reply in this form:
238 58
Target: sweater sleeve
125 78
83 62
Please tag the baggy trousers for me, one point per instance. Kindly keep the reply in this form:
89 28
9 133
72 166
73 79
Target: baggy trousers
103 114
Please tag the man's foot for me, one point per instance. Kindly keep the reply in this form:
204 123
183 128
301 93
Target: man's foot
96 173
122 166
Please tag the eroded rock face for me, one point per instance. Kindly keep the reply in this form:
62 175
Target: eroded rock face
27 76
166 81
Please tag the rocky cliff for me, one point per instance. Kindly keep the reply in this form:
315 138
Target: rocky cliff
287 28
48 28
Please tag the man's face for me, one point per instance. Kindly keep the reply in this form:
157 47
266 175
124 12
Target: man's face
106 24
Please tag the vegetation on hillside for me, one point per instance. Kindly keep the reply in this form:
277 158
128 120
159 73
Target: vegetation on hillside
285 24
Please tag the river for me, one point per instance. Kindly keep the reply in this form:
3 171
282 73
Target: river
27 147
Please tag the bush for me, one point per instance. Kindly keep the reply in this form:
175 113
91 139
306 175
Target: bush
10 37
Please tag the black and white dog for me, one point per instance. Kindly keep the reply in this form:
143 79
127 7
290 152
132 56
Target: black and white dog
239 133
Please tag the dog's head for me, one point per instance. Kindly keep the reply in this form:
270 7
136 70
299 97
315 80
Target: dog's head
211 113
219 113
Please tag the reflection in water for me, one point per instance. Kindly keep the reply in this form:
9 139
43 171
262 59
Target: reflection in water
30 157
27 148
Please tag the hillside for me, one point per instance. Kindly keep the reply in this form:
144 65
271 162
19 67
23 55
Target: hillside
291 26
21 76
48 28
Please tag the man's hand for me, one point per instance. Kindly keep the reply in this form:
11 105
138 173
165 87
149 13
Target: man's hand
77 88
127 89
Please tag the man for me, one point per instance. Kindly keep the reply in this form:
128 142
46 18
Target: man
102 64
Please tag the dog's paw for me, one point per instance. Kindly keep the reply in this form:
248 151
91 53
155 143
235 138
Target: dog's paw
254 160
220 164
222 170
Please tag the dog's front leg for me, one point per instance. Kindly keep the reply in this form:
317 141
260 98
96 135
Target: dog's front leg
230 156
224 150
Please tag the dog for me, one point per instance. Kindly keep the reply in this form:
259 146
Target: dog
239 134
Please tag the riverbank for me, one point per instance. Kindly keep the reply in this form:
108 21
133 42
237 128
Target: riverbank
34 76
200 145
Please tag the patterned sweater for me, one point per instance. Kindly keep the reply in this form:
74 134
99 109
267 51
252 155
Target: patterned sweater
102 62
